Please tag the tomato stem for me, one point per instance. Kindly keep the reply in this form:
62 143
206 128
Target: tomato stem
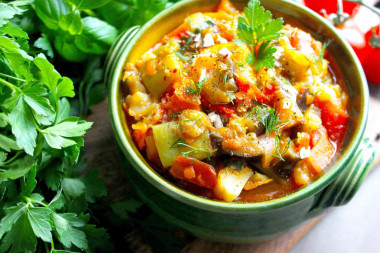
341 17
361 2
374 41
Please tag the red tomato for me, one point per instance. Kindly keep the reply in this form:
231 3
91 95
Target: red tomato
194 171
330 6
371 61
355 28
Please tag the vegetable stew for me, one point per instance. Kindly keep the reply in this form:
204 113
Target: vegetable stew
236 106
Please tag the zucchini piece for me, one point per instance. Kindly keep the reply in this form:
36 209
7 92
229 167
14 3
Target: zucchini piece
159 74
165 137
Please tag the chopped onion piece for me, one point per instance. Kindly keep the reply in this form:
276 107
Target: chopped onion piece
305 153
224 51
208 40
215 119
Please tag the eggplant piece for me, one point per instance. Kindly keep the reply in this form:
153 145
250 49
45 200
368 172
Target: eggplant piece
301 101
247 146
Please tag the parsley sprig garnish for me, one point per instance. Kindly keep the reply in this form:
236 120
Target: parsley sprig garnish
257 26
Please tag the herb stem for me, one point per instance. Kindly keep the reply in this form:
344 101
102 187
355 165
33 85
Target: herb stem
52 246
12 159
10 85
37 127
57 112
30 200
12 77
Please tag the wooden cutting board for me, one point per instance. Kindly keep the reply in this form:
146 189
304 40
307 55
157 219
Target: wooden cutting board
101 153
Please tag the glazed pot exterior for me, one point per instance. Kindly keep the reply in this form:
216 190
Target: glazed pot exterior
243 222
217 225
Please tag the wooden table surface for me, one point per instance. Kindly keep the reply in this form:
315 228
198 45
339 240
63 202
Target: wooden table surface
101 153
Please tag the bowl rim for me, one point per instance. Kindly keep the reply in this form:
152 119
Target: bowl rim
207 204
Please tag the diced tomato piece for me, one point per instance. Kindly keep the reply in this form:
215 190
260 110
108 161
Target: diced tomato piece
194 171
242 85
334 119
224 109
270 94
176 100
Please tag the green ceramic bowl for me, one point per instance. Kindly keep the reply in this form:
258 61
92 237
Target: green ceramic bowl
233 222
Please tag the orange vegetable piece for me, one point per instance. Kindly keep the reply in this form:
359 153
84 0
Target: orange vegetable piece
321 154
194 171
226 6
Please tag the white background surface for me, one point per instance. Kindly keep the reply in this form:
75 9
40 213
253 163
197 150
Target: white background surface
354 227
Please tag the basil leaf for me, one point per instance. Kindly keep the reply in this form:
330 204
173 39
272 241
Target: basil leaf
97 36
68 50
71 23
89 4
51 11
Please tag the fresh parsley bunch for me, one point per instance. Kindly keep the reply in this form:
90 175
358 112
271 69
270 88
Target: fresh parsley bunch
43 201
257 29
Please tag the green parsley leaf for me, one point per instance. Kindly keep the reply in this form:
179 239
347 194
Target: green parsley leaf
12 215
123 208
21 237
8 144
17 169
13 31
97 238
35 96
94 186
56 135
73 187
44 44
3 119
257 26
64 225
21 119
60 87
3 157
39 218
8 11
